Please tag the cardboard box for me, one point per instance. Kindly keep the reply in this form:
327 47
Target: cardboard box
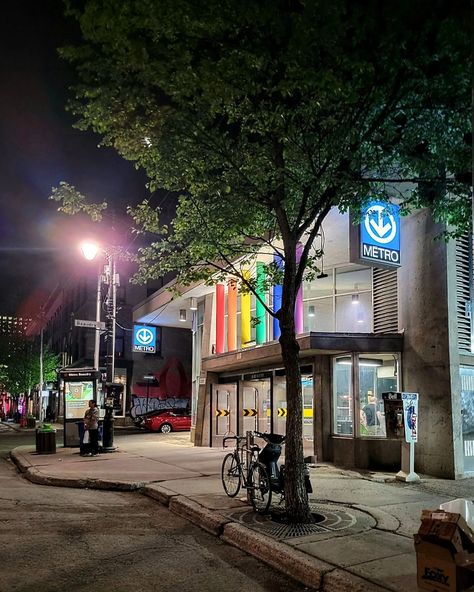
446 528
444 549
438 570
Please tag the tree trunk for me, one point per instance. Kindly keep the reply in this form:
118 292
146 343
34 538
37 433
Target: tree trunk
296 497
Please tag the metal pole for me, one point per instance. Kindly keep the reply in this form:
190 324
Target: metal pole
108 423
111 311
97 323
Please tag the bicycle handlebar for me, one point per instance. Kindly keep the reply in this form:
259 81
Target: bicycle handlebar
237 438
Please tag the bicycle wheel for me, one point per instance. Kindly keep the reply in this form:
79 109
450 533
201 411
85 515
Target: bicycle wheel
230 474
260 488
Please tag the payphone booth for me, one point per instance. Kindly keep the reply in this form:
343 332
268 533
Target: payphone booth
78 387
393 409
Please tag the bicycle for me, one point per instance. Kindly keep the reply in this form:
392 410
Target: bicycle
242 468
264 477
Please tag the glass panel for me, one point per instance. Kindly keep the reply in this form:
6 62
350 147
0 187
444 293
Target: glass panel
279 404
354 313
225 409
353 280
318 287
318 315
467 411
256 406
342 400
378 373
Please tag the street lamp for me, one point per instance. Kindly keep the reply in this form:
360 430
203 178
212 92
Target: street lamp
90 251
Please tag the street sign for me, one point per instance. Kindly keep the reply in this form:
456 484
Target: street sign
89 324
380 234
144 339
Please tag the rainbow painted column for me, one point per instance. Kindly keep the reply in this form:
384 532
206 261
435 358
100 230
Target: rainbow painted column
299 297
231 315
245 328
261 326
277 292
220 318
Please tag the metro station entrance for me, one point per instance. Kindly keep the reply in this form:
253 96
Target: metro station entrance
257 402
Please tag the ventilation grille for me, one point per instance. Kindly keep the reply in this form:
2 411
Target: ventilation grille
385 294
463 294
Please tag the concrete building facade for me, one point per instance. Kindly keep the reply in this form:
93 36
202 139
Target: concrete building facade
365 329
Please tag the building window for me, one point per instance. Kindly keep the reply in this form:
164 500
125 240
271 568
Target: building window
374 374
340 302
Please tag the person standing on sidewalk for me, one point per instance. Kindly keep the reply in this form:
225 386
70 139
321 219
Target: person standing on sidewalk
91 424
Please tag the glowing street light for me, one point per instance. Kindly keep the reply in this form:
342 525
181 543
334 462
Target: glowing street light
89 250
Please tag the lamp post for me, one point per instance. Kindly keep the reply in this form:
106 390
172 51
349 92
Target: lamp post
90 251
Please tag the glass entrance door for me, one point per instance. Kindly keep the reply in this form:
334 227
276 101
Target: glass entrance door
224 412
256 407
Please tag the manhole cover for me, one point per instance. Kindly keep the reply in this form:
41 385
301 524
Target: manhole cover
327 519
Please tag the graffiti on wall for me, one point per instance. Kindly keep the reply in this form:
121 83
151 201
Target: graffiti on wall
170 387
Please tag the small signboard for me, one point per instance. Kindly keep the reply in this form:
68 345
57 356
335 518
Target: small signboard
144 339
89 324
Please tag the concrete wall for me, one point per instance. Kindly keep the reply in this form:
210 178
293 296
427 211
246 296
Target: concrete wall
426 363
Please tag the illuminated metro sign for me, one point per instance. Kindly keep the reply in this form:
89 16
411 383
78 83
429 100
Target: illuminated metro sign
379 236
144 339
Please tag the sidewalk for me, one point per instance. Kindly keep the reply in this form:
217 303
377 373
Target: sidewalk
372 517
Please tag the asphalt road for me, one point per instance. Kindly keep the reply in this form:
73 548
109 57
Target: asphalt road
67 540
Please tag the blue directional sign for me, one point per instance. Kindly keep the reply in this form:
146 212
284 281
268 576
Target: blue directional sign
380 234
144 339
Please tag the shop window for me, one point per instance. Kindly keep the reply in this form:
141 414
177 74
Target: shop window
378 373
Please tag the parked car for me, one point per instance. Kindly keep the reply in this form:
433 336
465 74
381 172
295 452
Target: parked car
168 420
139 420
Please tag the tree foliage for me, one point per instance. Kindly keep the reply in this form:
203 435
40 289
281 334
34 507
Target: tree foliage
20 364
262 116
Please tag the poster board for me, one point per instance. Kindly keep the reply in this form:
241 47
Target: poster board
78 387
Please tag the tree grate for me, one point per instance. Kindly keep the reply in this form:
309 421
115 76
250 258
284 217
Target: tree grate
327 519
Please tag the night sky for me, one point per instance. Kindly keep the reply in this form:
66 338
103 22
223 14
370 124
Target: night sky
39 148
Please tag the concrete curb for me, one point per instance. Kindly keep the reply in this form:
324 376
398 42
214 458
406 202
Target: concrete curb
307 570
35 476
159 493
341 581
208 520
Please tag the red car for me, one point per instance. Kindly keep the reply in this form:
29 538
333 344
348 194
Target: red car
168 420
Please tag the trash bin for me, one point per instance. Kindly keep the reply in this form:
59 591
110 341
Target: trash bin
80 430
45 440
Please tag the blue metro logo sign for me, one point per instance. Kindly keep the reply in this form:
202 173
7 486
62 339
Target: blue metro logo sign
144 339
380 234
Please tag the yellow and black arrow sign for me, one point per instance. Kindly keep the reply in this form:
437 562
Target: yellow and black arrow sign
281 411
222 412
250 412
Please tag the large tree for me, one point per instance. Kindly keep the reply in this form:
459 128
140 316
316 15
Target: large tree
262 116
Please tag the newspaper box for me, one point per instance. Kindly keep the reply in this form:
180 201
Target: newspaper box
444 549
